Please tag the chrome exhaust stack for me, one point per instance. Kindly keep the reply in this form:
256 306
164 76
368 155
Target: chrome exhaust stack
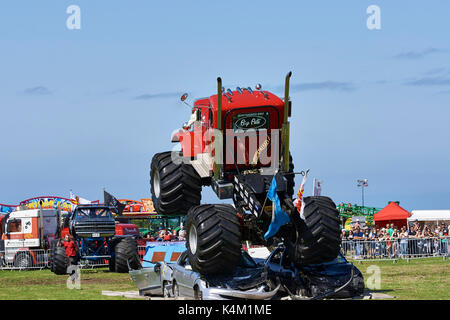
285 126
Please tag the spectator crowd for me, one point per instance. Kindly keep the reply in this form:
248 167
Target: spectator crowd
364 242
368 242
169 234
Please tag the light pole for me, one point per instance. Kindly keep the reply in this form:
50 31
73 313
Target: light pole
362 183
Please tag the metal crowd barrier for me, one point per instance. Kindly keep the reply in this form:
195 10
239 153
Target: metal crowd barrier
407 248
24 259
40 259
401 248
141 252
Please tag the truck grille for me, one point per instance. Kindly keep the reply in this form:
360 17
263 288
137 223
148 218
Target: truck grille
95 229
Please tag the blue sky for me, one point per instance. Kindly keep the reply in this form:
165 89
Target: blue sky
87 109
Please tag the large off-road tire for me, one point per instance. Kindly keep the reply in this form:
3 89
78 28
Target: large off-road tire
126 253
319 237
213 238
112 265
60 262
175 187
52 250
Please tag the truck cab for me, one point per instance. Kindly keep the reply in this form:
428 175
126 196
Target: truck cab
26 232
247 120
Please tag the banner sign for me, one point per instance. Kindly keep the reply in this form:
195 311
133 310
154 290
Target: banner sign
48 203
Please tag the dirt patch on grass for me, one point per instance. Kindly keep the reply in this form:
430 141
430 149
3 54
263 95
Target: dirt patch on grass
102 280
31 282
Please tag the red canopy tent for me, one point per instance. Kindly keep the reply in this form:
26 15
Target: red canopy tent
392 213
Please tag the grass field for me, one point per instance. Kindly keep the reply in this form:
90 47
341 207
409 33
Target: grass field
43 284
418 279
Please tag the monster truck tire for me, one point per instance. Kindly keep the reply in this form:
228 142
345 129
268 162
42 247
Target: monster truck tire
112 265
319 233
60 262
175 187
126 253
213 238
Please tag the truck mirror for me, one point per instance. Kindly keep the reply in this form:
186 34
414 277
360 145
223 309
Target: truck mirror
199 115
184 97
186 126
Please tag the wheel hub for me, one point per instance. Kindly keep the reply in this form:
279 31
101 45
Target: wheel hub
193 239
156 184
23 262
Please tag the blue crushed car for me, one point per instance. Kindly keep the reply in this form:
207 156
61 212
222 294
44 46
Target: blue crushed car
336 279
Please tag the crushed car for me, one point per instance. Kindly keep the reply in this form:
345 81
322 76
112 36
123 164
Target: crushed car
336 279
153 281
254 278
248 281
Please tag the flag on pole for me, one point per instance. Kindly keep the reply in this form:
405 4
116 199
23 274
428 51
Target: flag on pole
83 201
113 202
317 187
279 217
73 199
76 200
299 200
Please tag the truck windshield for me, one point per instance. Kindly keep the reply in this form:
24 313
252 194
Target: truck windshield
92 213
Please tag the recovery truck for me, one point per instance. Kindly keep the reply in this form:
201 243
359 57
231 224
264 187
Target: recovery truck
25 231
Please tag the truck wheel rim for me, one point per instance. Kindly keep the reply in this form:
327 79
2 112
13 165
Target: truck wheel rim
23 263
156 184
193 239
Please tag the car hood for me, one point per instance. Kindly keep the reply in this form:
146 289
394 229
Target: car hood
337 267
240 279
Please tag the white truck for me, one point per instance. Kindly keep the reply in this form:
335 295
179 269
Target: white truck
26 234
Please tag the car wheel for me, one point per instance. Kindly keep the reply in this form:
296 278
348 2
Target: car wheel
166 292
176 290
198 294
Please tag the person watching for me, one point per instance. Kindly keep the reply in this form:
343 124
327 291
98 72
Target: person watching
71 249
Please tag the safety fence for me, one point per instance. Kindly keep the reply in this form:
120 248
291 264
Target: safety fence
406 248
24 259
141 252
401 248
35 259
